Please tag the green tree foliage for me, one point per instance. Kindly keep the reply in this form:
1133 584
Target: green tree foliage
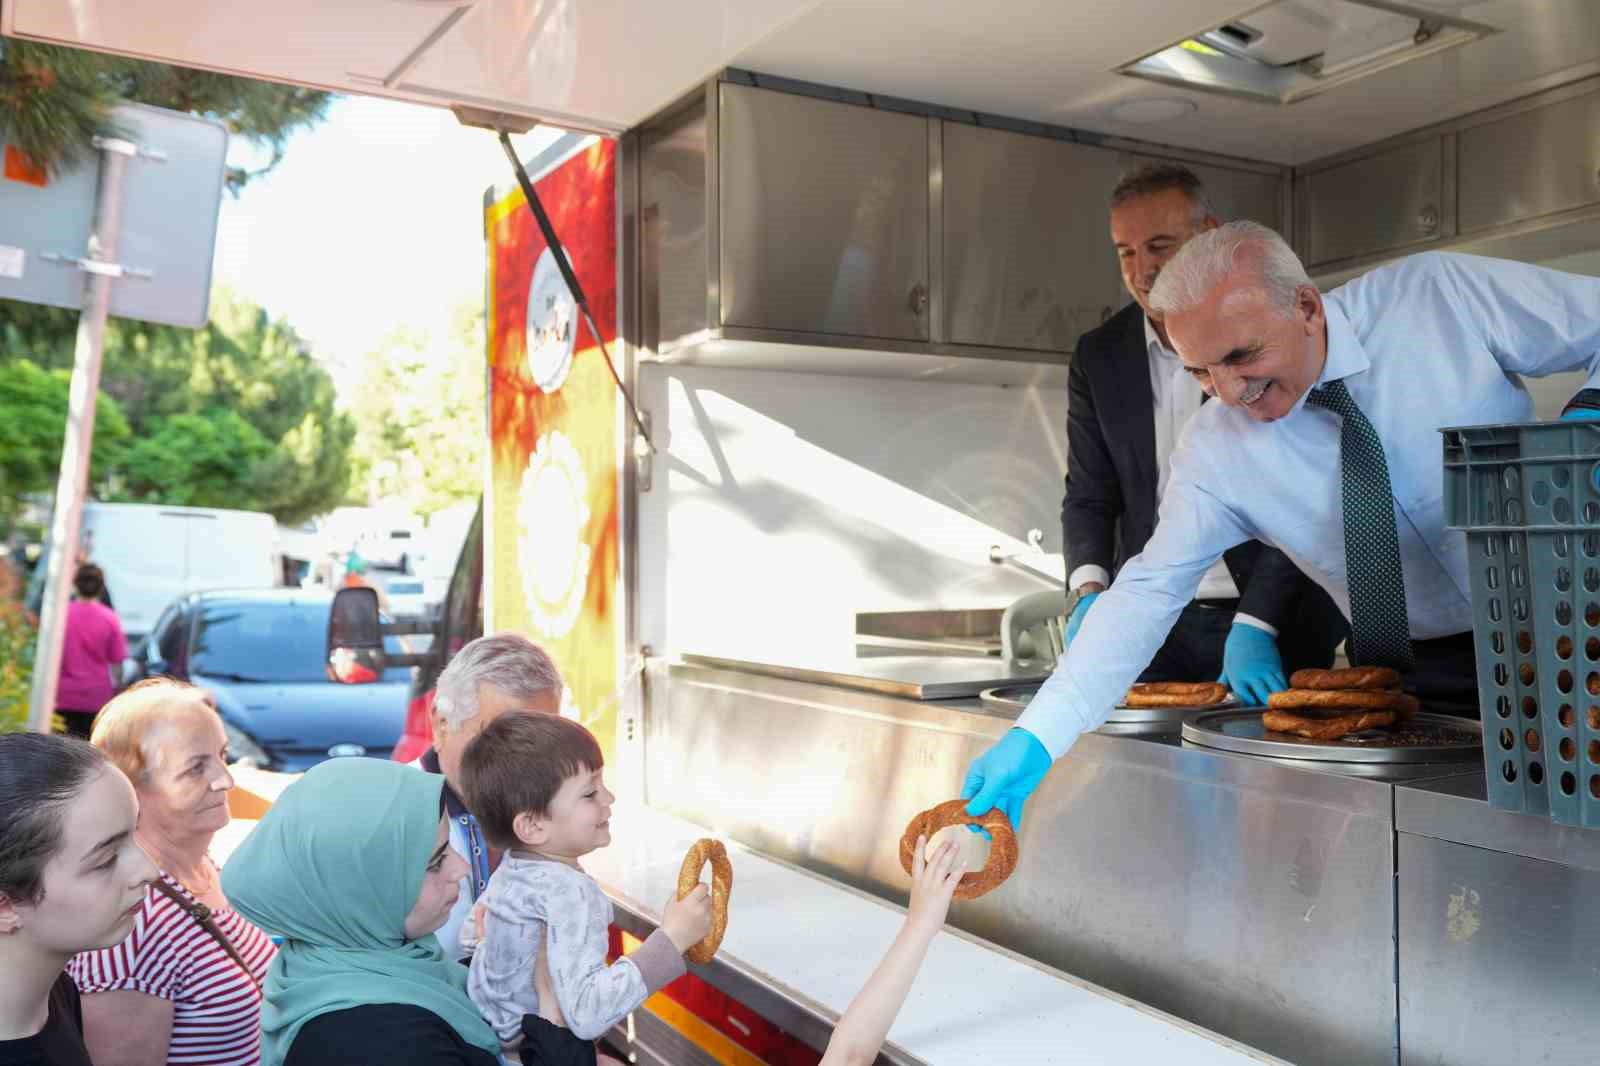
33 419
195 460
54 100
286 450
17 642
420 418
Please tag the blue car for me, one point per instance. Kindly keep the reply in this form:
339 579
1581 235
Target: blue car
261 653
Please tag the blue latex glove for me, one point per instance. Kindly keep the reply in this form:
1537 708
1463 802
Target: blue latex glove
1584 414
1251 665
1075 619
1006 775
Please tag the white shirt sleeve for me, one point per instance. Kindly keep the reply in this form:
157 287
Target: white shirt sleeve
1132 618
1086 573
1534 320
1242 619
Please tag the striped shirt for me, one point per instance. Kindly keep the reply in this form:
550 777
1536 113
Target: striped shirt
216 1009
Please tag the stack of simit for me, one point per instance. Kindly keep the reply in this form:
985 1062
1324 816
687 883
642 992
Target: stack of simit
1330 704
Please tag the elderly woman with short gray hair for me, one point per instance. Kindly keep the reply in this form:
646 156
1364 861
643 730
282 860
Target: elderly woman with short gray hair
494 675
185 986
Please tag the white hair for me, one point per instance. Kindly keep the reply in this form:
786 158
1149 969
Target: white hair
508 662
1201 265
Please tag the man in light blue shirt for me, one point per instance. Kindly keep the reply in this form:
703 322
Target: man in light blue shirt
1431 341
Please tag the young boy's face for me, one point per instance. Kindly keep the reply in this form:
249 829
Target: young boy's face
580 817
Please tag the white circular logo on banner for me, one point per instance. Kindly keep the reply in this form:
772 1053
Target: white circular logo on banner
552 327
552 512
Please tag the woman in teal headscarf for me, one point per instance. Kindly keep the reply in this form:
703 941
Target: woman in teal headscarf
353 868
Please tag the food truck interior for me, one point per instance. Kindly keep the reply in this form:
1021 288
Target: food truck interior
856 243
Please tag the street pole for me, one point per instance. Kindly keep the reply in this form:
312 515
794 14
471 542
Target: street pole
102 268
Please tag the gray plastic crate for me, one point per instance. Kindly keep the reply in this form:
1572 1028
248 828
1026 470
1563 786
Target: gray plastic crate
1525 496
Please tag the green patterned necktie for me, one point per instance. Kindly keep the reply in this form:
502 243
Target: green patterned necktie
1380 632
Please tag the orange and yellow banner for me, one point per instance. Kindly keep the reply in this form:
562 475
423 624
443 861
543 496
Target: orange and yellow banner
555 432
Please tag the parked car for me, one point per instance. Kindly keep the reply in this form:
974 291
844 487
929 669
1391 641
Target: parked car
261 652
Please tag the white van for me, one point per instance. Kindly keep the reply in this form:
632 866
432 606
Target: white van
153 554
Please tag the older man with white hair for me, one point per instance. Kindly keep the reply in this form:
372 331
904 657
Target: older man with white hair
503 673
1326 445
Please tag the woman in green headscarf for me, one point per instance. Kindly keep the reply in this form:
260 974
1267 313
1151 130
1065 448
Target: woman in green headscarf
353 868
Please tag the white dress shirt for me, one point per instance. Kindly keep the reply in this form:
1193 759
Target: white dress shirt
1434 340
1177 398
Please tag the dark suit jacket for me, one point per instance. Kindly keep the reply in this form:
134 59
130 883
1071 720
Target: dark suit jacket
1109 511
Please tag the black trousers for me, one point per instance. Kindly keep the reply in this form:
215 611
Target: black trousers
79 723
1445 678
1193 650
544 1044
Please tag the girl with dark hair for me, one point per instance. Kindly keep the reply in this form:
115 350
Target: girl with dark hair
71 879
93 649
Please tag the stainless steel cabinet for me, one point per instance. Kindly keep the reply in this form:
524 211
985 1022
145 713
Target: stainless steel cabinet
672 228
1532 163
824 216
1234 194
1389 200
1028 262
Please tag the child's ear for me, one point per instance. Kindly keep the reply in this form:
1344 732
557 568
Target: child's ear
10 920
530 829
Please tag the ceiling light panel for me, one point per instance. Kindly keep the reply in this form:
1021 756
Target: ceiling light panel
1291 50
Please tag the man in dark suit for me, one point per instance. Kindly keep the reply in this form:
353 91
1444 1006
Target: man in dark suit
1256 618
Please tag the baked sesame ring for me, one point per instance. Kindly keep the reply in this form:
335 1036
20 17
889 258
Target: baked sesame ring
1150 694
701 852
1002 844
1346 699
1353 677
1325 728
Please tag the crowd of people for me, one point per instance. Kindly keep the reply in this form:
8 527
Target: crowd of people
352 924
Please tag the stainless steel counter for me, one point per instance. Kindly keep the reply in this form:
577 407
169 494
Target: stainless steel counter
1498 931
1251 897
917 677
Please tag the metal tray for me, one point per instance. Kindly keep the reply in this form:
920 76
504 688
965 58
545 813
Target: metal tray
1241 731
918 677
1011 699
